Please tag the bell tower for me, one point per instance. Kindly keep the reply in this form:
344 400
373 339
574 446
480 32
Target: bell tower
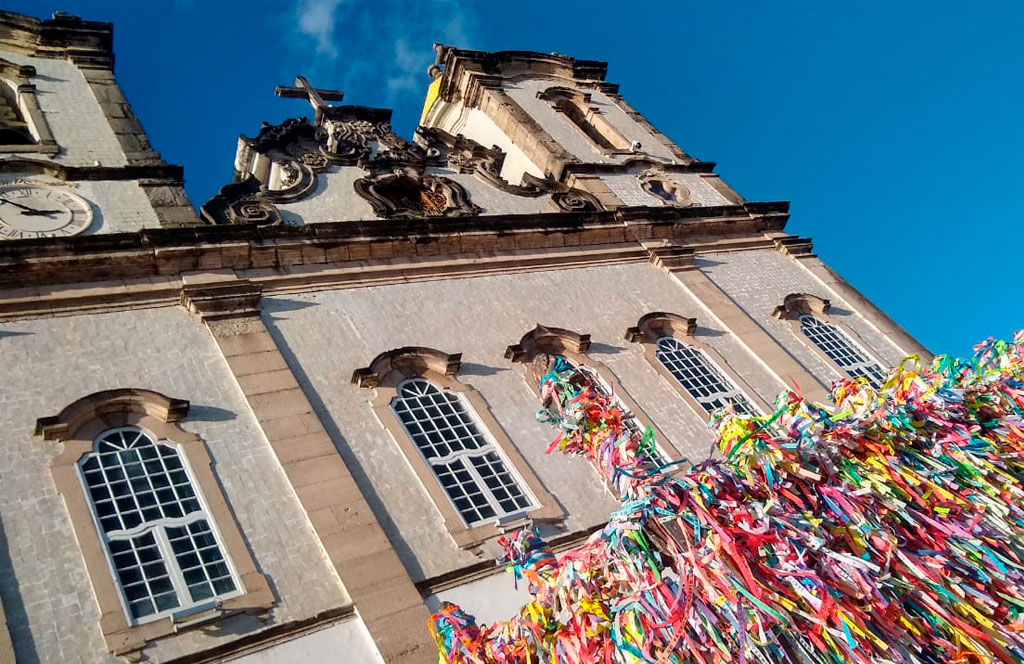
556 116
74 159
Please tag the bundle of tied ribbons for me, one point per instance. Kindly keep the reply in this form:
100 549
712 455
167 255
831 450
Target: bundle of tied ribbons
887 529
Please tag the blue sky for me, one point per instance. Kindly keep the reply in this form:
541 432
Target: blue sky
895 128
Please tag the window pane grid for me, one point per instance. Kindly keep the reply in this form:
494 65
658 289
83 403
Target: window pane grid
146 584
696 372
132 482
161 545
199 558
465 461
839 348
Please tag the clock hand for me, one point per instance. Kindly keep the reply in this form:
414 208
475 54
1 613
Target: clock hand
23 207
32 212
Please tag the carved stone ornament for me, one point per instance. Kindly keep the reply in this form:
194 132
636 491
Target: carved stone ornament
666 190
282 162
575 200
798 304
409 361
241 203
404 194
657 324
467 156
544 340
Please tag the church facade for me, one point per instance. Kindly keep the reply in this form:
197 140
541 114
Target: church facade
287 426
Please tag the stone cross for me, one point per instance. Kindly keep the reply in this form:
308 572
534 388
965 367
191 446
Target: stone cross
317 98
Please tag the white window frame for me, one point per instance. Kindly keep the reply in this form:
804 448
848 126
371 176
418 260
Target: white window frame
186 605
729 391
501 515
869 366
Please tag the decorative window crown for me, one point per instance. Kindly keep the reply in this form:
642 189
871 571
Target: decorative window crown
796 304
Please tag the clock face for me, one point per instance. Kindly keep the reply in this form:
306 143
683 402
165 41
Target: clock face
31 211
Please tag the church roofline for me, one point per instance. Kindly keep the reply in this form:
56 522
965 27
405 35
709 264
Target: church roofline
86 43
462 72
509 63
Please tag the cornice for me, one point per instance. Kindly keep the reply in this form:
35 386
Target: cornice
85 43
512 63
52 277
629 165
167 172
105 281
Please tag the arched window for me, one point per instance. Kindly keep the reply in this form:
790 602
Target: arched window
586 117
23 127
842 350
13 128
544 348
159 537
542 364
465 460
161 547
473 473
701 377
704 378
810 315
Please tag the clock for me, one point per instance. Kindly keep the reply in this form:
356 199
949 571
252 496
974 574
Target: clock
31 211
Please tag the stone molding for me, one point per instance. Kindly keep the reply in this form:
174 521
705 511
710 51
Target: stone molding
385 373
76 427
220 301
162 253
659 324
795 247
411 360
109 406
795 305
64 36
168 173
544 340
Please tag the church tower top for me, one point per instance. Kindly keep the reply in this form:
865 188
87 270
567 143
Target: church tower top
553 114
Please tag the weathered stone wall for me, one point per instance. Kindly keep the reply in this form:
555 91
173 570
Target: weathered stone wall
326 335
47 364
759 281
346 642
72 112
571 138
626 187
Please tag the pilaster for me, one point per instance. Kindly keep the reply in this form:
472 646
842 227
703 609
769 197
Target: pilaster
375 578
679 262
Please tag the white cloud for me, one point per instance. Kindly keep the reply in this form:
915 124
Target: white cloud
378 51
316 19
